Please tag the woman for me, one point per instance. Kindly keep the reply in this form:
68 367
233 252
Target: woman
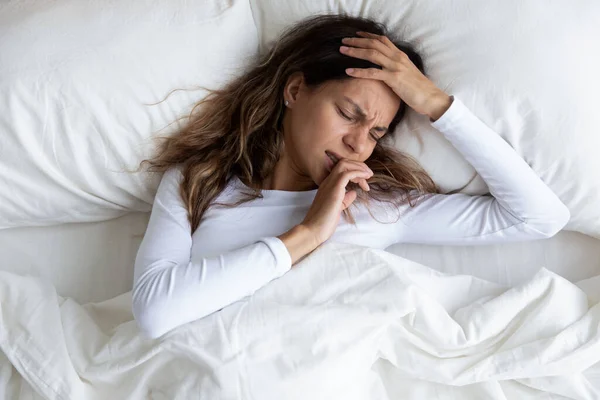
262 173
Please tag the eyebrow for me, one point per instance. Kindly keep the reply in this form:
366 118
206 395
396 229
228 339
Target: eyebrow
363 115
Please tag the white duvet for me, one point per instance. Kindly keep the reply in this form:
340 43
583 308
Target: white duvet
347 323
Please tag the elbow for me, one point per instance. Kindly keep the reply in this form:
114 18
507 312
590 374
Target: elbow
148 328
148 316
561 217
555 221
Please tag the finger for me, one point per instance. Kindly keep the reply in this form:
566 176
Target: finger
381 38
368 73
346 164
362 183
365 185
352 176
349 197
375 56
368 43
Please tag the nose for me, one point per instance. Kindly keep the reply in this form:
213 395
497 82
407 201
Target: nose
357 139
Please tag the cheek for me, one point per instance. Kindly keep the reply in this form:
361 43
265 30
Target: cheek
316 126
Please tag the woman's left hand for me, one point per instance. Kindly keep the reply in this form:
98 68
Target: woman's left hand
398 72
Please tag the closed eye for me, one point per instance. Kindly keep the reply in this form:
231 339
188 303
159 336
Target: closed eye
344 115
350 118
375 137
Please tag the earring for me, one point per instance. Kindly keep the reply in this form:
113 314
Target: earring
286 103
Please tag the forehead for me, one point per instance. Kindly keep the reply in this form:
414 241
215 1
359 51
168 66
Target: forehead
374 97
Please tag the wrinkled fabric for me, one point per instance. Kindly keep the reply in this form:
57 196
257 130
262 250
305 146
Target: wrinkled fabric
349 322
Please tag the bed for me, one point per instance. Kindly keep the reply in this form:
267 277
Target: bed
77 117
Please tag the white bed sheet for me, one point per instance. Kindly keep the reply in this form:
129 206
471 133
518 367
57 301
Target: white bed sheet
92 262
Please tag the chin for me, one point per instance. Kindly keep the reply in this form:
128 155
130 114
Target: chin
319 174
321 177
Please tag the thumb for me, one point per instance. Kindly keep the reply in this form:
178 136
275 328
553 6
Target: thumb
349 197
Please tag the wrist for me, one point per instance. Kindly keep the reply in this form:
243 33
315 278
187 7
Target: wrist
438 106
299 241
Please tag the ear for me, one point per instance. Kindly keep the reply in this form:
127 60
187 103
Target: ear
293 87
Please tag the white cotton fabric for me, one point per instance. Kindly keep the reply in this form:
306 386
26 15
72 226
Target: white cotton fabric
180 277
78 85
348 323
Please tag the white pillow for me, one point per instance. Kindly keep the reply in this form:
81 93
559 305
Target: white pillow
527 69
74 77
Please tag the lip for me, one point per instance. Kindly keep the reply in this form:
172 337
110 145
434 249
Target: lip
329 162
334 154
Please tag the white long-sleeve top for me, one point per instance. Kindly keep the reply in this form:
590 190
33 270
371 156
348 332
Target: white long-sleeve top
180 277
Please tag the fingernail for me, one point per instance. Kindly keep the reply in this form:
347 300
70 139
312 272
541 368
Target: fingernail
349 70
343 48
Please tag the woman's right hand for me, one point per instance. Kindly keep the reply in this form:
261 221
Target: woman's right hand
332 198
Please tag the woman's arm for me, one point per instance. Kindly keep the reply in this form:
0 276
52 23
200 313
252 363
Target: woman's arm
522 206
170 288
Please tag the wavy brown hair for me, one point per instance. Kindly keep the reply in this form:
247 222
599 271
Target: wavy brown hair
237 130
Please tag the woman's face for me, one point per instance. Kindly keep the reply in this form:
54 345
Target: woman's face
344 118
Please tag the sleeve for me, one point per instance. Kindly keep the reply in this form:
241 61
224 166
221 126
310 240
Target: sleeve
170 288
522 206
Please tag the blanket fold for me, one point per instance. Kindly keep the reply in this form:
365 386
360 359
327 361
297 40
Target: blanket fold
348 322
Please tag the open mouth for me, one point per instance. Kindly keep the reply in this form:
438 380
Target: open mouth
332 157
330 161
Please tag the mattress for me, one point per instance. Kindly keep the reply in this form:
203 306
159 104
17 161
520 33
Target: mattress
93 261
